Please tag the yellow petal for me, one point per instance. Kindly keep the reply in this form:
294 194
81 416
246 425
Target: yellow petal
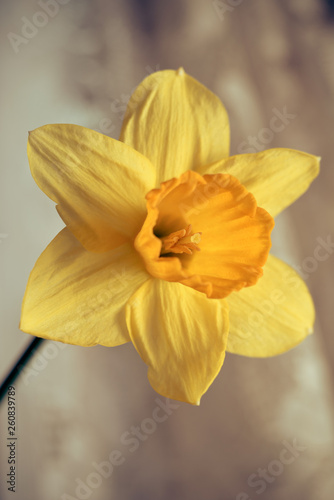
177 123
99 183
181 335
78 297
273 316
276 177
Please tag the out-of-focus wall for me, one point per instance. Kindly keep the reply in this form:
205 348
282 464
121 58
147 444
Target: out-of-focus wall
78 62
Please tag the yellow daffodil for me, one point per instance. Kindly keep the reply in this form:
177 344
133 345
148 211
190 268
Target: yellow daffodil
167 239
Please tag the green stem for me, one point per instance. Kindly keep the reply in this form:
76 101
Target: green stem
22 361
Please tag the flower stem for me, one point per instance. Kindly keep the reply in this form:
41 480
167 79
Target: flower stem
22 361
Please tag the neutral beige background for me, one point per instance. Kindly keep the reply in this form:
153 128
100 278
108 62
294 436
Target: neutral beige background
76 403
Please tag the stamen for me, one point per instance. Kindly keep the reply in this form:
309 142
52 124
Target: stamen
182 241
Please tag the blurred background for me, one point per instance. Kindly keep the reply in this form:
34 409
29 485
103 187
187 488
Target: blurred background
84 415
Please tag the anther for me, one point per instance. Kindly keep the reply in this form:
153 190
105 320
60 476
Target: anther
182 241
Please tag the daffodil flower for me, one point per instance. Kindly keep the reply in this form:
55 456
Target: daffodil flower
167 239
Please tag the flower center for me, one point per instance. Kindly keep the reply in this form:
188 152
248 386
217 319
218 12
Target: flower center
182 241
234 246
